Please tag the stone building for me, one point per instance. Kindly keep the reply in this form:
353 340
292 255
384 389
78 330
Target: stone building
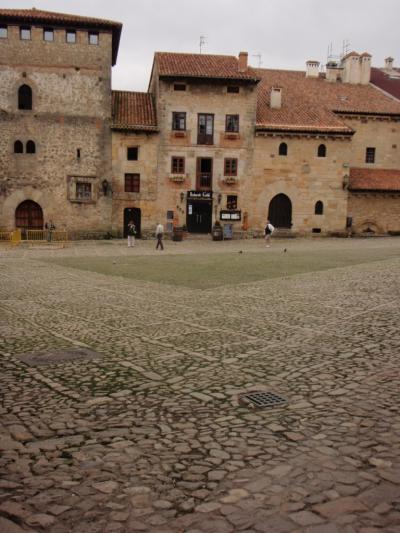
55 113
212 139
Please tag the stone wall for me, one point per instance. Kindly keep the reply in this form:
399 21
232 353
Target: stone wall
71 111
379 212
302 176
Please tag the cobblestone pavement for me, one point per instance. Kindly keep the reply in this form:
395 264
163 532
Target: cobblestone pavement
148 433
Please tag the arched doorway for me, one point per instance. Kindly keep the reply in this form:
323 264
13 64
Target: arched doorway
29 215
132 213
280 211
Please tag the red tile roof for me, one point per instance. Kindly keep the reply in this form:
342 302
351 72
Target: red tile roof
133 111
314 104
201 66
386 82
37 16
371 179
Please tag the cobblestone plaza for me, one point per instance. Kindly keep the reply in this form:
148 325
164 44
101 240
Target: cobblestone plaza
123 373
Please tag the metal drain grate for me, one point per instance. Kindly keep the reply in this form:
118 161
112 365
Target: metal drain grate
264 399
58 357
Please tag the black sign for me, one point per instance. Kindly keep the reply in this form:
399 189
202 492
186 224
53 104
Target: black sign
199 195
230 215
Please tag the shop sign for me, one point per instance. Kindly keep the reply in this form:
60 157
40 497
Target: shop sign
199 195
230 215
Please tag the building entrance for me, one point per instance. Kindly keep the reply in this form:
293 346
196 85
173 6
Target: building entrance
199 216
280 211
132 213
29 215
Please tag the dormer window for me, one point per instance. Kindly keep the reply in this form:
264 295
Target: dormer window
179 86
48 35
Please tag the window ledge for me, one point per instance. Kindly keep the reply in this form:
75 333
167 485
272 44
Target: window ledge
177 178
230 180
82 201
231 135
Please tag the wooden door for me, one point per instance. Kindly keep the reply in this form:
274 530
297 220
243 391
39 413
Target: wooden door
29 215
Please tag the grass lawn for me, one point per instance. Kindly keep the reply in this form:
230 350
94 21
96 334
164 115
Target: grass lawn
207 270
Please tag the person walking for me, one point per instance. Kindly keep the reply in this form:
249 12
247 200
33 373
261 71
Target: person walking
50 227
131 234
159 236
269 230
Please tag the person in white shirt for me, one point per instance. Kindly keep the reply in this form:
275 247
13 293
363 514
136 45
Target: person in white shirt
159 236
269 229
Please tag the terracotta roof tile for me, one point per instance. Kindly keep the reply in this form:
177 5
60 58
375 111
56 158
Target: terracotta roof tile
201 66
315 104
38 16
133 111
371 179
384 81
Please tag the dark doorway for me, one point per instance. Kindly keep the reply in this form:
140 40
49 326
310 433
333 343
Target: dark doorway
29 215
132 213
199 216
204 174
280 211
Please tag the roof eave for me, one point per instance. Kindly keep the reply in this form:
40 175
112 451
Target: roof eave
206 77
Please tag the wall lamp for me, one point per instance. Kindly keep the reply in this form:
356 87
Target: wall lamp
219 198
182 196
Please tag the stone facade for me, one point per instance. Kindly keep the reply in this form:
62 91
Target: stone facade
69 124
80 175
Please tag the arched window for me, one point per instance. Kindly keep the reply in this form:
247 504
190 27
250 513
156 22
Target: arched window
24 97
319 208
30 147
321 150
18 147
283 149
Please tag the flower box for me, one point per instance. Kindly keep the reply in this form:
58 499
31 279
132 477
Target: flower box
230 180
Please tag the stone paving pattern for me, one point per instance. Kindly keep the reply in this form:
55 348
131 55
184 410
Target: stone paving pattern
151 436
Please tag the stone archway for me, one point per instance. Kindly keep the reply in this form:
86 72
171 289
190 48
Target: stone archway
280 211
29 215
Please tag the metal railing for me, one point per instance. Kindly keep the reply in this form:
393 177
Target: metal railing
11 237
44 235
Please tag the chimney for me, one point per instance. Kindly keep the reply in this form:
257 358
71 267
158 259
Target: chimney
365 74
243 61
312 69
389 63
332 71
351 64
276 98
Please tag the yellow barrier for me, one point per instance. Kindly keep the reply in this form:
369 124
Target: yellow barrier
44 235
11 237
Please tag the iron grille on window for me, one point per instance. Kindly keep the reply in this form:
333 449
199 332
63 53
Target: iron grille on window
232 123
70 36
25 33
83 191
132 182
230 167
48 35
178 165
93 37
370 155
178 121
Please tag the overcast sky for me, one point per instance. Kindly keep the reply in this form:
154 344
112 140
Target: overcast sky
285 32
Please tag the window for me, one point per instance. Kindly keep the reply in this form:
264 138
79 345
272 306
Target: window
3 32
177 165
205 129
283 149
179 86
231 202
25 33
25 97
178 121
132 182
70 36
370 155
232 89
204 173
319 208
232 123
18 147
30 147
230 167
78 153
93 37
83 191
132 153
321 150
48 35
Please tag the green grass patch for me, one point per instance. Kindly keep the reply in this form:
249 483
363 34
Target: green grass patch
207 270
